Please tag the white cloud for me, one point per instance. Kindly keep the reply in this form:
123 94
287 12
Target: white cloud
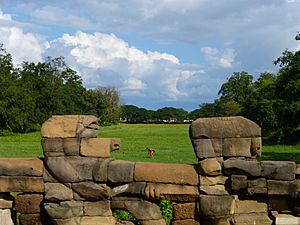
224 59
4 16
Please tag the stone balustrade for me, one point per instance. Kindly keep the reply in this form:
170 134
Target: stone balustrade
77 183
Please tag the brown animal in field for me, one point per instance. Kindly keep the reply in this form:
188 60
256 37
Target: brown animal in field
151 152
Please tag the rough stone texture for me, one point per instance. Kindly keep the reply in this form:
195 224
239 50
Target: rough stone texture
240 167
83 166
224 127
30 219
21 167
64 210
100 170
28 203
166 173
252 218
131 189
277 203
53 146
257 190
5 204
185 222
71 146
278 170
5 217
204 148
250 206
238 182
99 220
143 210
216 221
91 191
99 208
286 219
120 171
261 182
209 167
216 206
48 177
276 187
98 147
70 221
185 211
208 181
171 191
233 147
57 192
213 190
256 146
70 126
61 170
21 184
152 222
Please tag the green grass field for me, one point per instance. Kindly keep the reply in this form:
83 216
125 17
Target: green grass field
171 142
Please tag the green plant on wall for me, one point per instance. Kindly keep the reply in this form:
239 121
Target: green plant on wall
123 215
166 209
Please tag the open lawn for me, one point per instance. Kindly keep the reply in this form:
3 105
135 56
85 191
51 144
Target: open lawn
171 142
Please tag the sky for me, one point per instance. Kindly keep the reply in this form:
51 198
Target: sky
157 53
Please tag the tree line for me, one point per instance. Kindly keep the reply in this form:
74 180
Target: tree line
33 92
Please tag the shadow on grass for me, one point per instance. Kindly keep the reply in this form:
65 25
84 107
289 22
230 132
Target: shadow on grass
281 156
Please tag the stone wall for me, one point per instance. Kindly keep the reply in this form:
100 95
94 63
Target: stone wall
78 183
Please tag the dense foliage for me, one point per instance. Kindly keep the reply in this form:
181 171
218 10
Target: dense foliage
32 92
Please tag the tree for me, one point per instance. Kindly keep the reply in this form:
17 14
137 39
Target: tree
172 114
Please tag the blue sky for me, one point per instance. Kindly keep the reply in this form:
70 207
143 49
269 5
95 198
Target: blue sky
157 53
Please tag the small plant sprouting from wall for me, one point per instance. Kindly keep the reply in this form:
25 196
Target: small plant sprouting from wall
123 215
166 209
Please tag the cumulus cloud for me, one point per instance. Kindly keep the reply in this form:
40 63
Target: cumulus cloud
224 59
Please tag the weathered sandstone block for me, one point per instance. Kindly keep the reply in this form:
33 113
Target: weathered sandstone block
120 171
208 180
209 167
207 148
21 184
69 221
250 206
276 187
156 222
185 211
278 170
30 219
143 210
213 190
256 146
28 203
224 127
234 147
131 189
91 191
216 206
83 165
286 219
99 220
5 204
238 182
166 173
21 167
174 192
5 217
240 167
98 147
64 210
252 218
71 146
57 192
100 170
185 222
98 208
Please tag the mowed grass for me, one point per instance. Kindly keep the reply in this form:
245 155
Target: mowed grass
171 142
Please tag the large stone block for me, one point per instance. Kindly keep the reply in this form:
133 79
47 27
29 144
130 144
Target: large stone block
64 210
100 170
151 222
143 210
21 184
71 146
57 192
279 203
91 190
166 173
83 165
242 167
70 126
213 190
287 219
250 206
185 222
209 167
224 127
53 147
21 167
98 147
120 171
216 206
185 211
28 203
238 182
173 192
252 218
210 181
69 221
278 170
276 187
5 204
237 147
256 146
207 148
98 208
5 217
99 220
257 186
30 219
